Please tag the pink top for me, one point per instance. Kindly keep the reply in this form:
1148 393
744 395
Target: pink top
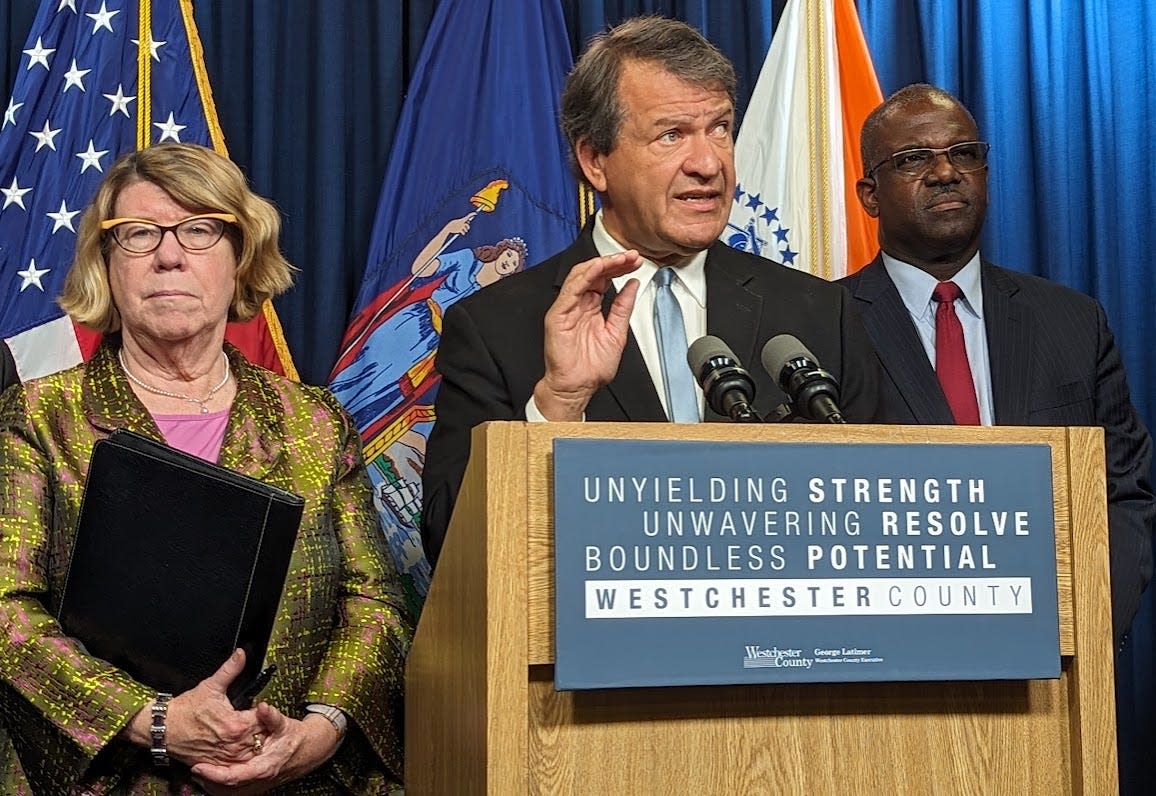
200 435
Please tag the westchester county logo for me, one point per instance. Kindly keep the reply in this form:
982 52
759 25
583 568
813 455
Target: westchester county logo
759 657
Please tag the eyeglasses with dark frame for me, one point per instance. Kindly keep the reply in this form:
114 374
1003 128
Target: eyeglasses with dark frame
194 234
964 157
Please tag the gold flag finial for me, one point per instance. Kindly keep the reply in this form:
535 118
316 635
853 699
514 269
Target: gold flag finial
487 198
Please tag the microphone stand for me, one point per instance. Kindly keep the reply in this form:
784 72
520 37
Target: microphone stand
744 413
785 413
736 407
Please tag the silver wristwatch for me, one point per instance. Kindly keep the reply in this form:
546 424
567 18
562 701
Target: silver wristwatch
335 716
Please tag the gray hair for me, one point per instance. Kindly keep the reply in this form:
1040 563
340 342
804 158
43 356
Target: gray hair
591 109
900 100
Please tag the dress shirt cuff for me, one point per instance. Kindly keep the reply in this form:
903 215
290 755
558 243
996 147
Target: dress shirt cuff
534 416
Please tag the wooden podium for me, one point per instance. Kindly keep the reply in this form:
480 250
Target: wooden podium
482 715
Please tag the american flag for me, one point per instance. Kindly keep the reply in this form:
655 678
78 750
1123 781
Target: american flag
97 79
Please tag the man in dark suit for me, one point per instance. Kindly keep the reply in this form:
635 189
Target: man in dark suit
1039 353
8 375
648 112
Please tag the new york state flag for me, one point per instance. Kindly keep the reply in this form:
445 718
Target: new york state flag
477 189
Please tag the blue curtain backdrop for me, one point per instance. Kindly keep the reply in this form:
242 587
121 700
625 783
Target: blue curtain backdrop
309 95
1064 93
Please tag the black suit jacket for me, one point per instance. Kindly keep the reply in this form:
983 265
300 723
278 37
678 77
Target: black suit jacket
8 375
491 355
1054 362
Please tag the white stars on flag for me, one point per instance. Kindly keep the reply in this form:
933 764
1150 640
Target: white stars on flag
45 137
38 54
14 195
119 101
169 129
10 114
31 276
62 218
154 46
102 18
74 77
91 158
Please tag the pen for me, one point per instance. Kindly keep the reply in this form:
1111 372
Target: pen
247 696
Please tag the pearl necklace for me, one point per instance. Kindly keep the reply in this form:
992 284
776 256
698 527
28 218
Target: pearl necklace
201 402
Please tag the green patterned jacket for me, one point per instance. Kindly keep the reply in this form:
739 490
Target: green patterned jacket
341 632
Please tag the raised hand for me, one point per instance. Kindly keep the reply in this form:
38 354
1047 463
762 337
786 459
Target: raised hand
583 347
458 226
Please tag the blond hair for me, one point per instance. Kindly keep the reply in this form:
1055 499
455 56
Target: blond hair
203 181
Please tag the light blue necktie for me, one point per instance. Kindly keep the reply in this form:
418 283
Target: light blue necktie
681 399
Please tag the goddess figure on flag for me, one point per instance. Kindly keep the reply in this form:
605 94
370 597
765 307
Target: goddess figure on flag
385 374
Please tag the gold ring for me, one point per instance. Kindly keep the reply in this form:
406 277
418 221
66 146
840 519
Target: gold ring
258 744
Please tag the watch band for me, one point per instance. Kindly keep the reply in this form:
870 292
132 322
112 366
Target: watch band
335 716
160 710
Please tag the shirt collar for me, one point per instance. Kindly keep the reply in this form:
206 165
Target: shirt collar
915 286
692 274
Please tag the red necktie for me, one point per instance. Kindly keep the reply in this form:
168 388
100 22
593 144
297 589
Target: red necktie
951 357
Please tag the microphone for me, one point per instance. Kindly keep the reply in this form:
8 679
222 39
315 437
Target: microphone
728 388
813 391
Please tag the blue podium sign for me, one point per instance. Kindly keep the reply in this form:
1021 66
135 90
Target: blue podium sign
694 563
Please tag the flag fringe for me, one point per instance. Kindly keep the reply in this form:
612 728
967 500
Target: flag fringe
217 136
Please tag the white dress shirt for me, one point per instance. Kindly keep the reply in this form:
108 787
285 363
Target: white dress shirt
915 288
689 287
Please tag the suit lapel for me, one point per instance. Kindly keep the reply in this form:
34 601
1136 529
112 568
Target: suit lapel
1009 347
631 386
109 400
732 311
255 434
899 348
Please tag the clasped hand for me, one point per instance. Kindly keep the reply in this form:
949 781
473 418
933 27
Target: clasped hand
239 751
290 750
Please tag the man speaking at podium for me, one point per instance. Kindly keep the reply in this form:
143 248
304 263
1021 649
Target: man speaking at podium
600 331
964 341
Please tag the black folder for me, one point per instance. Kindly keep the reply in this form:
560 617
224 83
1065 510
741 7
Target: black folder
176 563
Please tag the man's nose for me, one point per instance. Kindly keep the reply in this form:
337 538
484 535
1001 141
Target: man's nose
704 157
942 169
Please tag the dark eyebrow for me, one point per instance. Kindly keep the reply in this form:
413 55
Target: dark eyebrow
674 121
